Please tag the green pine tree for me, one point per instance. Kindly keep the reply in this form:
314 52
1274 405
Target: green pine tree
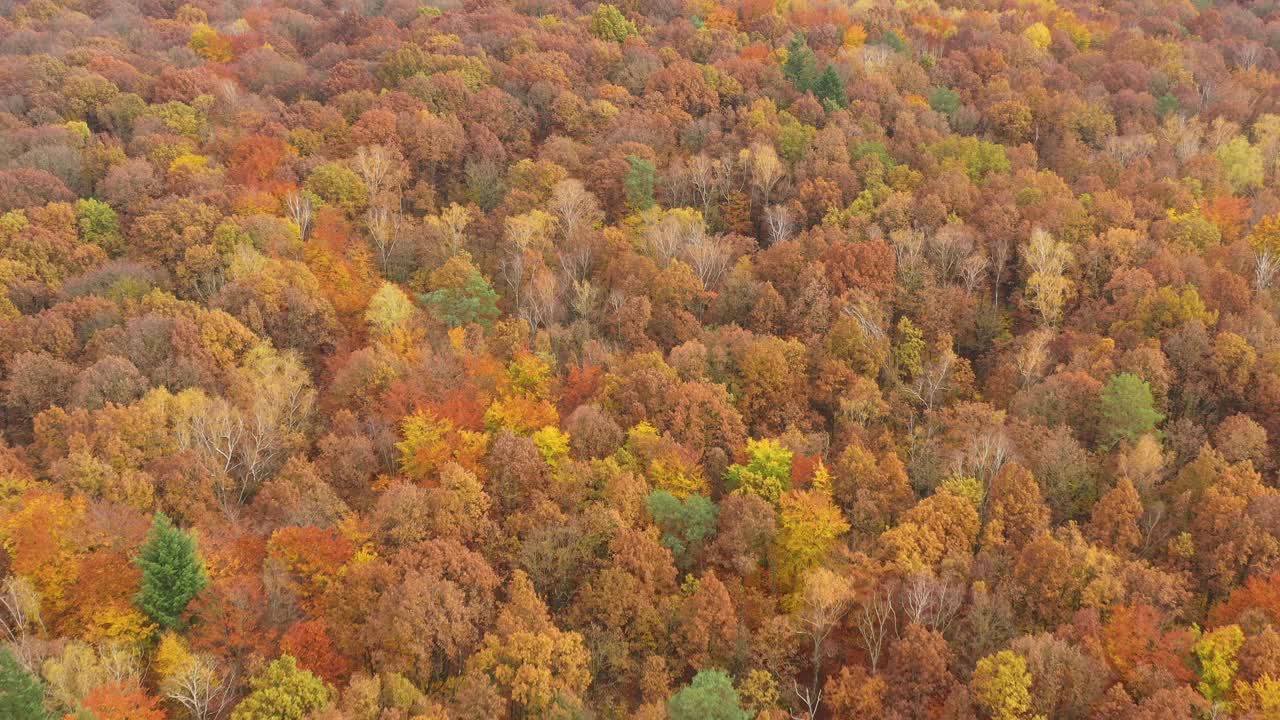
801 67
685 524
710 696
21 696
460 295
1128 409
829 88
172 573
639 182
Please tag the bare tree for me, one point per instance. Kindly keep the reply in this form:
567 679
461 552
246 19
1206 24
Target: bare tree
379 167
1001 256
574 206
577 210
1128 148
779 222
929 601
826 598
450 227
583 298
709 259
1047 284
987 453
120 661
766 169
300 211
876 619
1249 54
866 319
707 179
933 380
541 298
1265 265
512 267
243 443
949 247
908 249
527 237
809 698
384 233
673 232
1030 361
201 686
1185 135
20 618
972 270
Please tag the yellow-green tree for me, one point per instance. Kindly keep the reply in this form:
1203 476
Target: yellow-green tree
283 692
1242 163
389 313
608 23
766 474
1216 652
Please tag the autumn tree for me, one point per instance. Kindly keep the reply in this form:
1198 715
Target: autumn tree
1115 520
536 666
123 701
918 679
809 525
1016 510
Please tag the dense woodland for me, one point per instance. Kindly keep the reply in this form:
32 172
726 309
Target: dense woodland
394 359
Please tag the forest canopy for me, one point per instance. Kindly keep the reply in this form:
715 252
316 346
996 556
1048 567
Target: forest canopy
654 359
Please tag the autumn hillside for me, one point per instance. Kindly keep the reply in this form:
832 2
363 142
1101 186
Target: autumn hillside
654 360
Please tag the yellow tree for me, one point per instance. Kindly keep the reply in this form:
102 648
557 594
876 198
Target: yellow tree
810 523
1265 241
1002 685
390 316
430 442
1048 287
